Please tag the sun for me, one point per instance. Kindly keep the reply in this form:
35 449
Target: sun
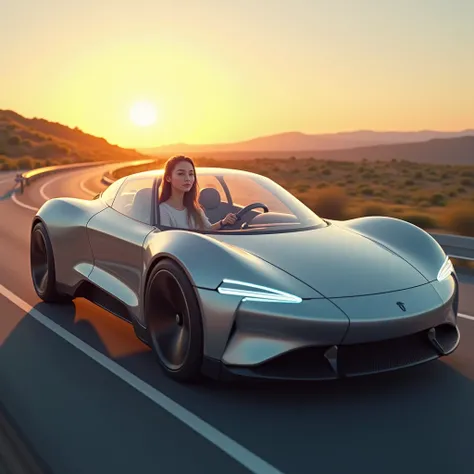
143 114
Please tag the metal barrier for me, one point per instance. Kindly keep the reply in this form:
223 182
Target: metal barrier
108 177
456 246
24 179
31 175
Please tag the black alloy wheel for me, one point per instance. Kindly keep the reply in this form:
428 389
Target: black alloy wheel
42 266
174 322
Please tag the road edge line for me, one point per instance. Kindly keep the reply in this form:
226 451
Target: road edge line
22 204
226 444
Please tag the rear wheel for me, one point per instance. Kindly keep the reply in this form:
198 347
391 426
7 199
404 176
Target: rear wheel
174 322
42 266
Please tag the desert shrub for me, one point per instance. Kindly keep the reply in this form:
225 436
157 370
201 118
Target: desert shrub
14 140
302 188
50 150
460 219
373 209
331 203
26 163
367 191
421 220
438 200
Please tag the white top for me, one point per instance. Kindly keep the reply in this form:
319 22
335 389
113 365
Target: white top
172 217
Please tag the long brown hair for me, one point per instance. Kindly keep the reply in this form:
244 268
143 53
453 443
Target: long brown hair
190 198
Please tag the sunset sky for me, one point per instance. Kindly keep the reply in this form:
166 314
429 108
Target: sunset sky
230 70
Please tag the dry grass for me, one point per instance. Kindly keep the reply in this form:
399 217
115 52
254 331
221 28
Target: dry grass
434 197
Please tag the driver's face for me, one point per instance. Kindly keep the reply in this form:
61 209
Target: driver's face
182 177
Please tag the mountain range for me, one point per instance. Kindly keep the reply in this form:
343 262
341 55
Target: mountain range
298 142
33 142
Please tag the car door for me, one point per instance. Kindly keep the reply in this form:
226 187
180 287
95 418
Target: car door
116 237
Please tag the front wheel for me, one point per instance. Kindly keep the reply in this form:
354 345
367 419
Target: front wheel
42 266
174 322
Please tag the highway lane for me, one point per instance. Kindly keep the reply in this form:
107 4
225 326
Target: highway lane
80 416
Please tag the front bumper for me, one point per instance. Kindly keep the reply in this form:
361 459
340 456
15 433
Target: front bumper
321 339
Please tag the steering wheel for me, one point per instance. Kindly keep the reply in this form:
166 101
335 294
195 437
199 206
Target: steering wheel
248 208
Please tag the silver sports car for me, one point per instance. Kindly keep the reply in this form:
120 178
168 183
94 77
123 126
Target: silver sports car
282 293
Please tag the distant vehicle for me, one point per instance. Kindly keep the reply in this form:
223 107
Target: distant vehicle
282 293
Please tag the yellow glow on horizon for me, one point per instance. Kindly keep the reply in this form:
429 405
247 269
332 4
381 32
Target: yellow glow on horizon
149 87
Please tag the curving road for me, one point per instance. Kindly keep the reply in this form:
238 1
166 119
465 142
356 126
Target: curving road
90 398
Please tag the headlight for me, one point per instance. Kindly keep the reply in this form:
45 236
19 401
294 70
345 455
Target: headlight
252 292
445 270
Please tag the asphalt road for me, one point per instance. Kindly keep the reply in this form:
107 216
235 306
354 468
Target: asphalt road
89 396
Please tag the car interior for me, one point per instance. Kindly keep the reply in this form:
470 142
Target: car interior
138 205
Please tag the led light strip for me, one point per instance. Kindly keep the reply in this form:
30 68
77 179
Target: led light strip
445 270
265 295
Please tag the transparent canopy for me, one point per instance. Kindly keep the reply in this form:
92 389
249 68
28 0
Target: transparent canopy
262 205
272 207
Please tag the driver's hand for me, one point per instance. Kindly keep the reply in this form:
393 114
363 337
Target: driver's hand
229 219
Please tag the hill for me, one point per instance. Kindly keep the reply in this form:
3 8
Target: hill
447 151
30 143
33 142
293 142
450 151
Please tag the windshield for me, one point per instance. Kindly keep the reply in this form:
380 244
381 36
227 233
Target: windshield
233 191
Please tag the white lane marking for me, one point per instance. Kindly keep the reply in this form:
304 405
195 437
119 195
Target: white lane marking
85 188
22 204
236 451
51 181
466 316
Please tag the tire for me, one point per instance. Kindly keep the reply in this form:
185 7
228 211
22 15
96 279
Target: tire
42 266
172 313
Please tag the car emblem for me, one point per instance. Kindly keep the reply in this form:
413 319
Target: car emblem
401 306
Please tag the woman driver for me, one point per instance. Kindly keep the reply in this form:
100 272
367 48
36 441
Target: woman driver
179 206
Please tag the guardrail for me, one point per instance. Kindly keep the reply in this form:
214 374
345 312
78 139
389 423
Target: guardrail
456 246
24 179
31 175
108 177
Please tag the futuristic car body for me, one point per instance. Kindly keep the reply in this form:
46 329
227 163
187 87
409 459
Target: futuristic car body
282 293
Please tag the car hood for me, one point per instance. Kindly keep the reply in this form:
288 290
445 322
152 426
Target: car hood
334 261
